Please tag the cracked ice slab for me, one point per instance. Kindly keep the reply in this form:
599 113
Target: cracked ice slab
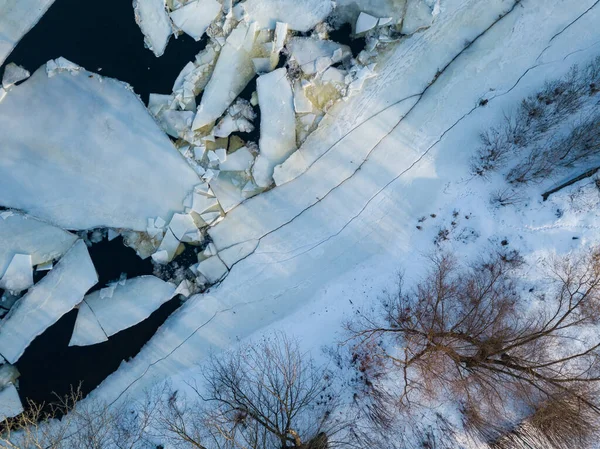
21 234
277 124
232 72
81 151
56 294
17 17
130 304
10 403
152 18
315 55
300 15
367 216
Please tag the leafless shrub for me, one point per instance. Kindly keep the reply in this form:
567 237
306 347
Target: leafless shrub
534 122
463 334
506 197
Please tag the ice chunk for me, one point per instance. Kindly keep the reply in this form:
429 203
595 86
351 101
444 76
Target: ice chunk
167 249
87 330
21 234
61 64
153 20
176 123
365 23
213 269
19 274
277 124
232 73
13 74
300 15
184 229
184 288
187 69
10 403
202 203
194 17
17 17
315 55
418 15
302 104
228 194
61 290
51 139
241 160
129 305
158 103
333 75
46 266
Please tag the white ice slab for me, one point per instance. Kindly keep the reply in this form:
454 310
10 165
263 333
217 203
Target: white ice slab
153 20
129 305
194 17
13 74
232 73
21 234
19 274
212 268
17 17
228 194
277 124
418 15
61 290
300 15
60 162
10 403
310 53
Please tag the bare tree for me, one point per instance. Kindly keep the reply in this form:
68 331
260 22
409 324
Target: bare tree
265 395
466 333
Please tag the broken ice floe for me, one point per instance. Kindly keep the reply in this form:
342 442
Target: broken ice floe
61 64
419 15
126 304
13 74
212 268
231 74
153 20
316 55
119 143
56 294
194 17
28 242
239 117
17 17
277 126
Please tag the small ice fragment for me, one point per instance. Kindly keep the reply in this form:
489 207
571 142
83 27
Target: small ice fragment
46 266
302 104
182 224
10 402
152 18
384 21
112 234
365 23
161 257
107 292
19 274
13 74
159 222
199 153
221 154
211 250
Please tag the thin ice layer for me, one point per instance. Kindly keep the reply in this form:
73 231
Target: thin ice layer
129 304
17 17
81 151
56 294
21 234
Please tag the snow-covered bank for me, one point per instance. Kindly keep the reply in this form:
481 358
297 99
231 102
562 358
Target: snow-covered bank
411 132
97 157
17 17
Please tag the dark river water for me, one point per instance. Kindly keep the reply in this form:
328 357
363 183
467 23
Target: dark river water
96 34
103 34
